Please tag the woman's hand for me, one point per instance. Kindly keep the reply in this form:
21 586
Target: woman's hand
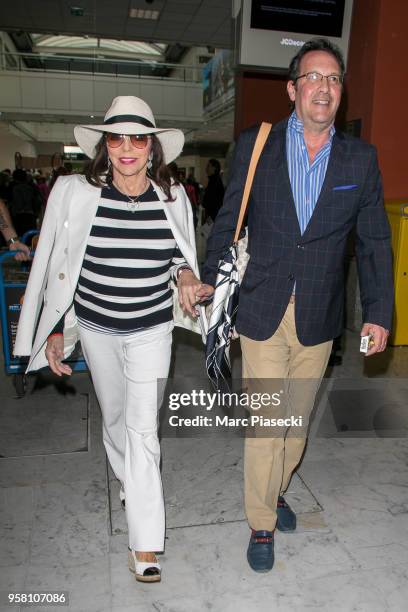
54 353
23 251
191 291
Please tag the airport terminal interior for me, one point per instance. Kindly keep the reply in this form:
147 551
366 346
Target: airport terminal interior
62 527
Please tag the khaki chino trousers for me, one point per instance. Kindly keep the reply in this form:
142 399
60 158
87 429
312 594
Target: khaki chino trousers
271 458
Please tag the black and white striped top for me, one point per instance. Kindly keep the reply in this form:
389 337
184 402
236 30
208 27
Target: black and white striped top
124 281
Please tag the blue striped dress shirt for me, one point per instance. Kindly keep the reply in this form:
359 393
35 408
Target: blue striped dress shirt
306 180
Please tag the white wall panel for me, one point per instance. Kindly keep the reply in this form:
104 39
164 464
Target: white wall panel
153 94
85 95
194 102
81 95
10 93
104 92
174 101
57 93
33 92
128 87
9 144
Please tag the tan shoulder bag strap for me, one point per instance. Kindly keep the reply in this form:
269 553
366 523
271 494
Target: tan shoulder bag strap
261 139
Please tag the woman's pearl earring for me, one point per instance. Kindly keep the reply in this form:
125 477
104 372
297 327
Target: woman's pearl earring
150 162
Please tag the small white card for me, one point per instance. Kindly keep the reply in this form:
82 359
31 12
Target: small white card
365 343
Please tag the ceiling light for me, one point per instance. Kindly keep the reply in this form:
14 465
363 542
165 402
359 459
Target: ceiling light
72 149
138 13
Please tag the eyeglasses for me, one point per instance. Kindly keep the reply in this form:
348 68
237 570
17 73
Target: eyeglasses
116 140
317 77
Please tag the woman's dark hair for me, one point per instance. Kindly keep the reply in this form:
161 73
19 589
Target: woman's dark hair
315 44
174 172
98 173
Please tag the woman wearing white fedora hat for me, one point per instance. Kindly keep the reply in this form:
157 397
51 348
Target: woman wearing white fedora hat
112 245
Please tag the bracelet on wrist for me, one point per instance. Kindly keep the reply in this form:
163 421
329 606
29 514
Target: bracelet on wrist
55 334
13 240
183 269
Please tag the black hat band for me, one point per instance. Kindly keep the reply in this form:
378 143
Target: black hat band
129 119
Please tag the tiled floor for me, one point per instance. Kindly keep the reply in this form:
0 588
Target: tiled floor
63 529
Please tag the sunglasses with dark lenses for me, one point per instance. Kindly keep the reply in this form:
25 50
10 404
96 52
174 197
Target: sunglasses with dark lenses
116 140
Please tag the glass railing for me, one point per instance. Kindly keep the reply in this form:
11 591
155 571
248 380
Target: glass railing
136 68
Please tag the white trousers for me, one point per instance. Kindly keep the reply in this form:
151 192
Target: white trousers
124 372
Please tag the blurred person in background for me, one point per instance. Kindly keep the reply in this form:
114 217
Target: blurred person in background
10 235
25 202
214 192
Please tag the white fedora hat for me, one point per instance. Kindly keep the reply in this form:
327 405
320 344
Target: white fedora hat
130 115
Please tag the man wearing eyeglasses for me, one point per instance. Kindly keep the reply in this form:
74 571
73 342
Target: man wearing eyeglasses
313 186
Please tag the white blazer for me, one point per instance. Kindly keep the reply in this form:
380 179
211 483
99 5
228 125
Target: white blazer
57 264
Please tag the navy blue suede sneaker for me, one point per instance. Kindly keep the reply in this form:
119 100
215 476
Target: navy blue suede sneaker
286 517
260 552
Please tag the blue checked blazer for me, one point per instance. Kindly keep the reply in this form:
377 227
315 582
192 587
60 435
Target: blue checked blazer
351 199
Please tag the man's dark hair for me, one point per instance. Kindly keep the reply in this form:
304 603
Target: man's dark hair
215 164
315 44
20 176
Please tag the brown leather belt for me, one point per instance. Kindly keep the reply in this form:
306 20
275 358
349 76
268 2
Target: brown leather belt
292 299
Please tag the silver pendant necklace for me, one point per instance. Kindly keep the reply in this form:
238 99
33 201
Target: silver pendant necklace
134 202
